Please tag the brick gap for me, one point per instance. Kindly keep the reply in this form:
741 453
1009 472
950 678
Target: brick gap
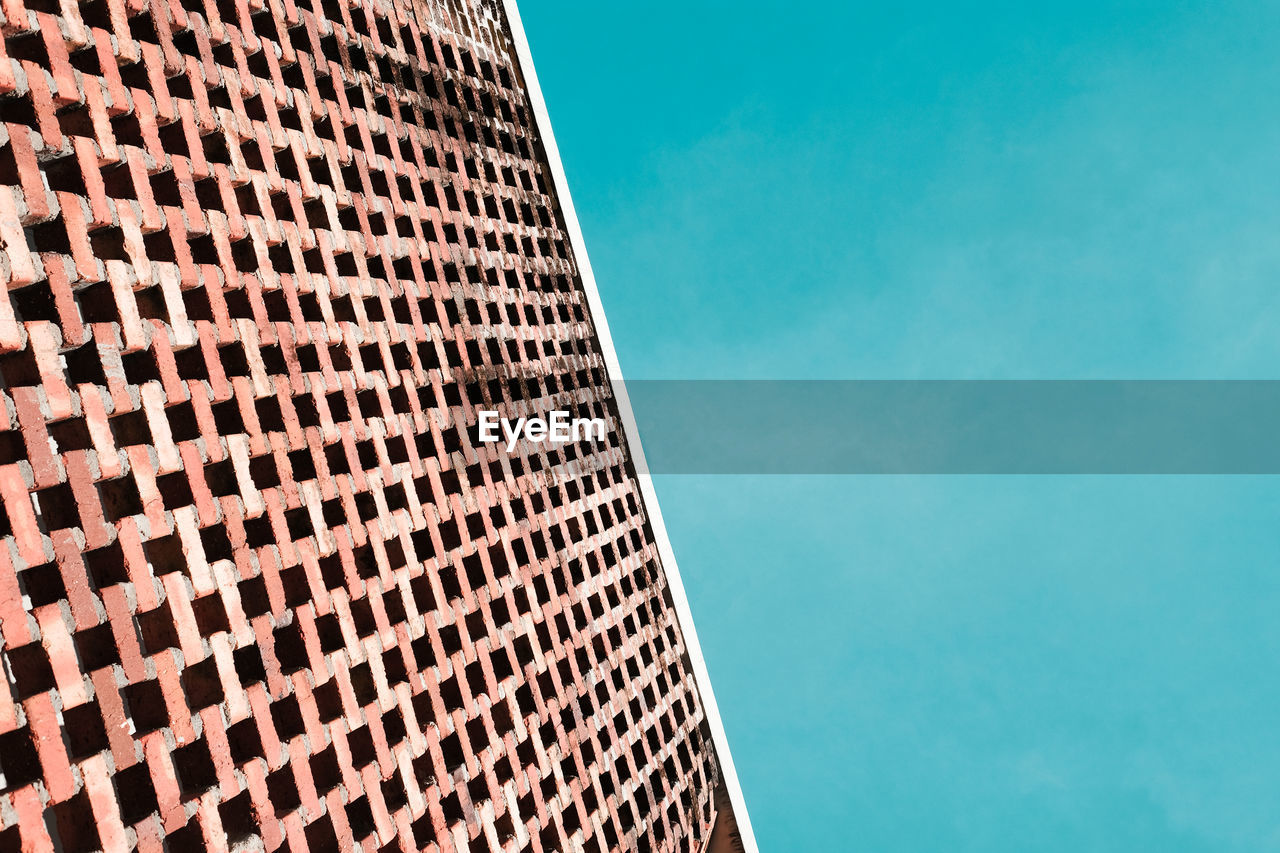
211 615
74 823
71 434
196 770
85 731
451 751
320 836
244 741
42 585
282 790
158 629
249 666
258 532
96 648
56 508
107 245
360 742
19 761
135 793
119 497
18 369
297 589
30 47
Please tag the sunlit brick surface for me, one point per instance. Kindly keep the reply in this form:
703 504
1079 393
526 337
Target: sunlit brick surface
260 588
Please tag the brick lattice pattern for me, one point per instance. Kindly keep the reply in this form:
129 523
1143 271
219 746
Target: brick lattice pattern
260 587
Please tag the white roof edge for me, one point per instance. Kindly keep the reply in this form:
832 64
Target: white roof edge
631 432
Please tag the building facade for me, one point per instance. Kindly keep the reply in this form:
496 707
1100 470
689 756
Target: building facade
261 587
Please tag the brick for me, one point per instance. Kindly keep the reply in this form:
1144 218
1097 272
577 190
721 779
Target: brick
66 88
46 467
102 799
15 626
57 270
22 145
67 675
305 602
19 266
114 717
42 100
35 834
47 735
45 341
25 529
8 81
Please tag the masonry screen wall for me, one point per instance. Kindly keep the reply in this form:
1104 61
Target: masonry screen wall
261 588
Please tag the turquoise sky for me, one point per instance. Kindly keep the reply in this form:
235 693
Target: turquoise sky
960 190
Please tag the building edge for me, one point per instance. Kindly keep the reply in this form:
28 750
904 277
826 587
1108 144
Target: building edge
630 431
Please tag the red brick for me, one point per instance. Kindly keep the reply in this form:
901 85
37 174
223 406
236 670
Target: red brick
31 826
47 736
102 799
64 78
273 303
43 101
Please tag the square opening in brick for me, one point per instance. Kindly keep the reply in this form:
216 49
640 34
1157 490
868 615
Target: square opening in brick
145 704
29 670
282 788
196 771
136 793
238 819
76 826
19 761
86 732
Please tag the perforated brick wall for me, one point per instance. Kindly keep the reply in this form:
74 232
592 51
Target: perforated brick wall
261 588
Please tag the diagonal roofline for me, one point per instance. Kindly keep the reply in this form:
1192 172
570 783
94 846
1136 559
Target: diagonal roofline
631 433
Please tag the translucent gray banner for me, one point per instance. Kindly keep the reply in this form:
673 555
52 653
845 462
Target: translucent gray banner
958 427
